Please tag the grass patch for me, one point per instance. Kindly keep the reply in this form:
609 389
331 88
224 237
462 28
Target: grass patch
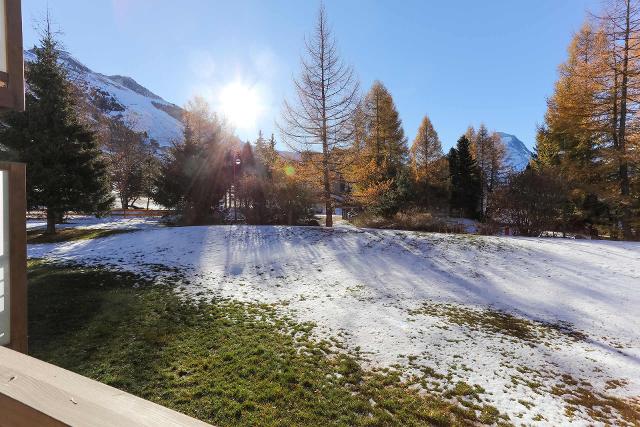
225 362
599 406
498 322
70 234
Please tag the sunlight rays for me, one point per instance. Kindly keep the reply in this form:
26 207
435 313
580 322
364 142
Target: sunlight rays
241 103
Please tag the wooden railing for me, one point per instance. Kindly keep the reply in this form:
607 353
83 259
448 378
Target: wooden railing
35 393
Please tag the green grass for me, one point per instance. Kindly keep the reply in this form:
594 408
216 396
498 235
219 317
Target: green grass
225 362
499 322
70 234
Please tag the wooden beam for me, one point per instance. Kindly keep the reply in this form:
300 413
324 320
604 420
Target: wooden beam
17 255
12 91
33 392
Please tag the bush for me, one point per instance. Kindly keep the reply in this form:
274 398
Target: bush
532 202
412 219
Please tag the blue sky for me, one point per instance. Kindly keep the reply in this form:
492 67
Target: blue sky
460 62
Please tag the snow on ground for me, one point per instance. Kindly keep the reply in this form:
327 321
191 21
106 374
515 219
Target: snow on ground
109 223
425 301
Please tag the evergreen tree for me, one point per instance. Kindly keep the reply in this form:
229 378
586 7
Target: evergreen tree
65 168
196 171
465 179
266 154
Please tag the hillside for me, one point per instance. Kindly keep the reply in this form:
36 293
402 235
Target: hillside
122 97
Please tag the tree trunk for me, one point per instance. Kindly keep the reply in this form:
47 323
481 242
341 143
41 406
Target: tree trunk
51 222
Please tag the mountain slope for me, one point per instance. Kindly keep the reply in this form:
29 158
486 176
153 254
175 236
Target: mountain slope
123 97
518 155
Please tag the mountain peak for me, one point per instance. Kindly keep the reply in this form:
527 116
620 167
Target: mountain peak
130 83
518 155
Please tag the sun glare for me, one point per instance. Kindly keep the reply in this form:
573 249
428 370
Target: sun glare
241 104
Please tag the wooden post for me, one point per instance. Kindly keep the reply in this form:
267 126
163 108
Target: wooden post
17 253
12 79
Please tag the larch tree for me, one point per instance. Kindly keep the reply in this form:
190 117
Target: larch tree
65 168
426 150
428 166
318 120
381 147
385 139
591 127
621 24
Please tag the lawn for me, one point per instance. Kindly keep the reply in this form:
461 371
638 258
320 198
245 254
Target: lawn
536 330
70 234
222 361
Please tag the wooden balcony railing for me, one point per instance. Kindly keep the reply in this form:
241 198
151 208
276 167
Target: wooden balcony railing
35 393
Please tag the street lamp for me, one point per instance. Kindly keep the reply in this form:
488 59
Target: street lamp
11 56
236 164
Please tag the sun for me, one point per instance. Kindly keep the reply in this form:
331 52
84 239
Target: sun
241 104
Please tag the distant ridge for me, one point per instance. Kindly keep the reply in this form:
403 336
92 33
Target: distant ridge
122 97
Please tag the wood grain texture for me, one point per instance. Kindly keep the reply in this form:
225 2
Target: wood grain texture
17 254
12 96
30 388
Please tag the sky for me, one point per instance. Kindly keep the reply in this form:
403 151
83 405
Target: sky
459 62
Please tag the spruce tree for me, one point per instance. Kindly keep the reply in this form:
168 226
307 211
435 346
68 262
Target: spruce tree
196 172
465 179
65 168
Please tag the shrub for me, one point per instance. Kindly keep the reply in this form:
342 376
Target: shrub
411 219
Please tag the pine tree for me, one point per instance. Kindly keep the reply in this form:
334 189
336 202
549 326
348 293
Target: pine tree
266 154
65 168
465 180
195 173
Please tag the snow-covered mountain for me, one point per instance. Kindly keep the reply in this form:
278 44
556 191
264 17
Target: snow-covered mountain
518 155
122 97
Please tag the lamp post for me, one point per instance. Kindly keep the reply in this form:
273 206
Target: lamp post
236 163
11 56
